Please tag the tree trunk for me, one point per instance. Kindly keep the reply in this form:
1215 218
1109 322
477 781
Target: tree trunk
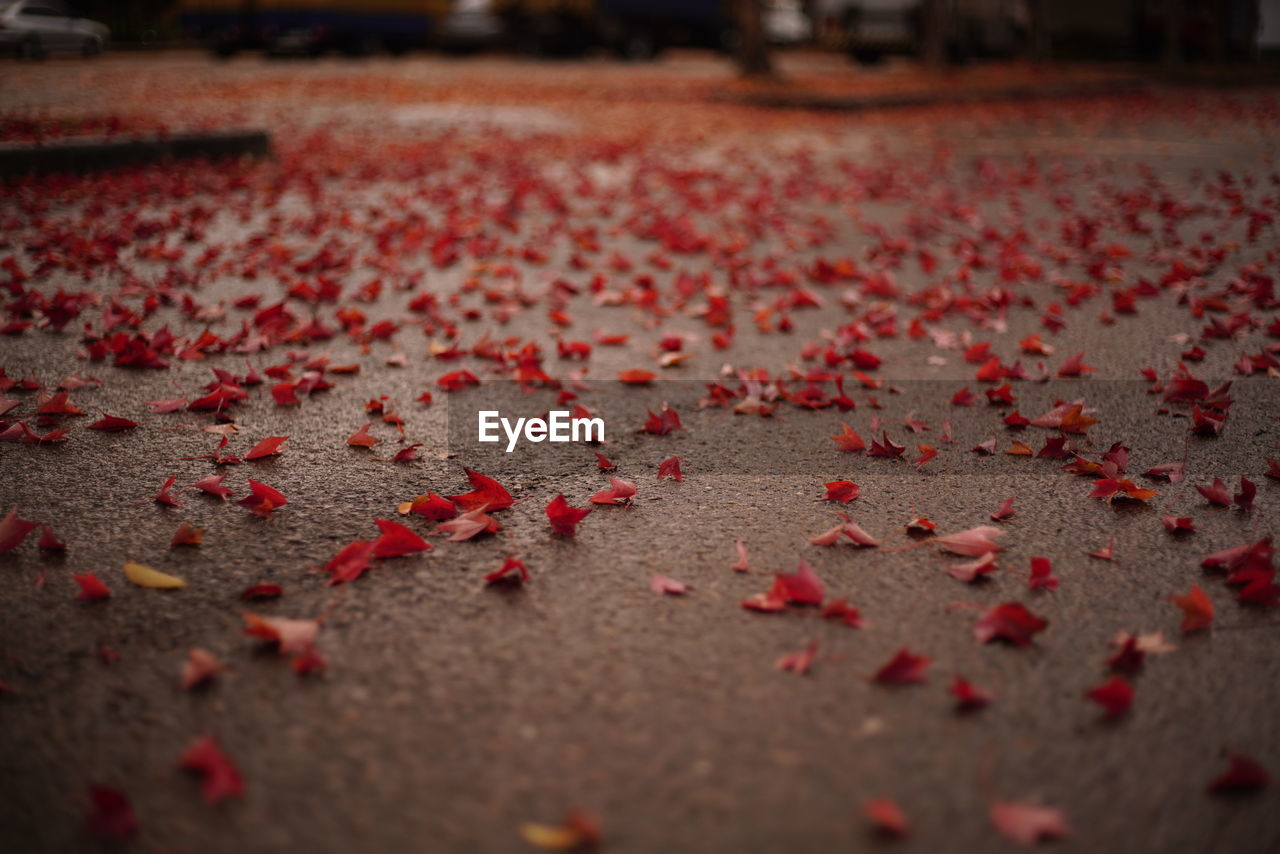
1172 33
933 33
753 47
1041 44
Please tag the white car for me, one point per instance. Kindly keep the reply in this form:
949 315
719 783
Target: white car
36 28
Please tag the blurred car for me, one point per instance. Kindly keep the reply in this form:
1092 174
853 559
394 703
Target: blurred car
471 24
785 22
871 29
35 28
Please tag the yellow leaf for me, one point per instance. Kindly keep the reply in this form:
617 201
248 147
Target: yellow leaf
145 576
549 837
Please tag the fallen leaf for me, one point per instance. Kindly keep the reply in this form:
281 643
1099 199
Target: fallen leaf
111 814
268 447
1197 609
362 439
1243 774
512 570
486 493
661 584
885 816
200 667
186 535
1115 696
972 542
91 588
290 636
905 668
145 576
1011 622
1027 824
219 777
798 663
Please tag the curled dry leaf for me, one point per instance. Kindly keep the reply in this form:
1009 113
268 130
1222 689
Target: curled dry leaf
904 668
186 535
578 831
145 576
662 584
219 778
199 668
885 816
291 636
1027 824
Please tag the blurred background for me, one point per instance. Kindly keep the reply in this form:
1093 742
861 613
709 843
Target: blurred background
937 32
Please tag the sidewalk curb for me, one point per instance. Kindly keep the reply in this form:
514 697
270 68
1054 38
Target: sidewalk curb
856 103
102 154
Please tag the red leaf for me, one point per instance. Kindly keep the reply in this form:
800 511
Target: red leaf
1115 696
927 453
841 490
1074 366
186 535
1216 494
637 376
603 462
840 609
430 506
468 525
1244 498
1009 621
799 663
362 439
91 589
112 424
219 778
661 584
885 447
213 486
291 636
49 540
740 565
973 542
110 814
200 667
1027 824
1243 774
1004 511
968 698
886 817
905 668
1042 575
262 499
1177 524
351 562
268 447
59 404
512 570
564 519
801 587
397 540
848 440
1197 609
457 380
262 591
1174 472
619 491
163 496
667 420
486 493
407 454
973 570
670 467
